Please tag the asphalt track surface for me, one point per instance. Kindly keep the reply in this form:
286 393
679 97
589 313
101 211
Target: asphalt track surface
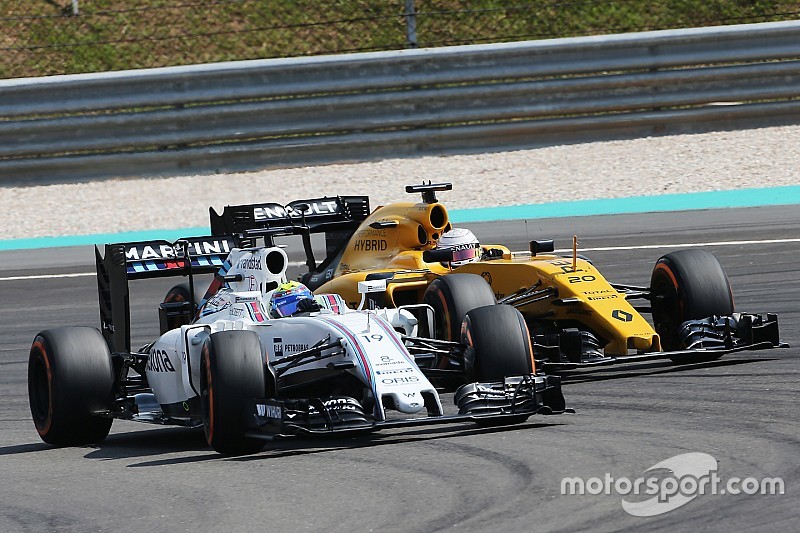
742 410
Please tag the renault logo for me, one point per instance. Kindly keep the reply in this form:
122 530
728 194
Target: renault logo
624 316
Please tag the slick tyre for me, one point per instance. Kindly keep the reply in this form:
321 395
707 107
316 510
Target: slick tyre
451 297
232 374
687 285
70 381
498 344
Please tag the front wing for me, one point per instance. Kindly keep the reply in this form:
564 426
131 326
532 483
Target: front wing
511 401
703 340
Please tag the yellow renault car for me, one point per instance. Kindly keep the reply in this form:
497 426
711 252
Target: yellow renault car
575 316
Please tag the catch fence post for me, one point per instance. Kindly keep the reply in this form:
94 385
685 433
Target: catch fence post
411 24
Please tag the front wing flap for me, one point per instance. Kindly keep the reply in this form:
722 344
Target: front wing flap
511 401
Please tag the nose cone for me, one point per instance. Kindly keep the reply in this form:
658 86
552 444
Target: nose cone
408 403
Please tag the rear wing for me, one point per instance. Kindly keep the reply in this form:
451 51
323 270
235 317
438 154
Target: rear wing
338 217
122 262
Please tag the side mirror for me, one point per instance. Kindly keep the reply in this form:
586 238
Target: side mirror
368 287
544 246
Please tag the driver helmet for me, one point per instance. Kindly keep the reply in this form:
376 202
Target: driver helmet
286 297
464 244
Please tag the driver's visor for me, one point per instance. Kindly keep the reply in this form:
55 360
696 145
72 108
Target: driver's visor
466 254
286 307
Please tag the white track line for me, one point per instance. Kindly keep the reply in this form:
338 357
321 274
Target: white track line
598 249
684 245
49 276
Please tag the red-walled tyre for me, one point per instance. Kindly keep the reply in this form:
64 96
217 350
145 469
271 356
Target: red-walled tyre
687 285
451 297
231 375
498 344
71 386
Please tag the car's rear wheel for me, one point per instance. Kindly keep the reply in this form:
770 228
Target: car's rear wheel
71 386
451 297
178 294
498 344
231 375
687 285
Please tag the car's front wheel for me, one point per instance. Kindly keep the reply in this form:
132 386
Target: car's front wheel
498 344
231 375
687 285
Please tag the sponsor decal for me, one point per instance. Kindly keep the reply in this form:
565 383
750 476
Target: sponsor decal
295 348
621 315
388 361
279 348
167 251
606 297
487 276
252 262
339 404
159 362
404 380
575 311
269 411
269 212
163 251
370 245
209 247
274 211
395 371
370 232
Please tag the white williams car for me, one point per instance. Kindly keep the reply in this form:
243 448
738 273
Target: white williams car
232 364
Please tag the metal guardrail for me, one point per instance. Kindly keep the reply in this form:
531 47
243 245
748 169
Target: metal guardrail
256 114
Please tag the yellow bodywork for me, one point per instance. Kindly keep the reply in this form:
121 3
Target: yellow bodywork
393 238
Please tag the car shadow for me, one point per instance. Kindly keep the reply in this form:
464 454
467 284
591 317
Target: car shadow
24 448
298 446
150 442
637 370
160 441
129 444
